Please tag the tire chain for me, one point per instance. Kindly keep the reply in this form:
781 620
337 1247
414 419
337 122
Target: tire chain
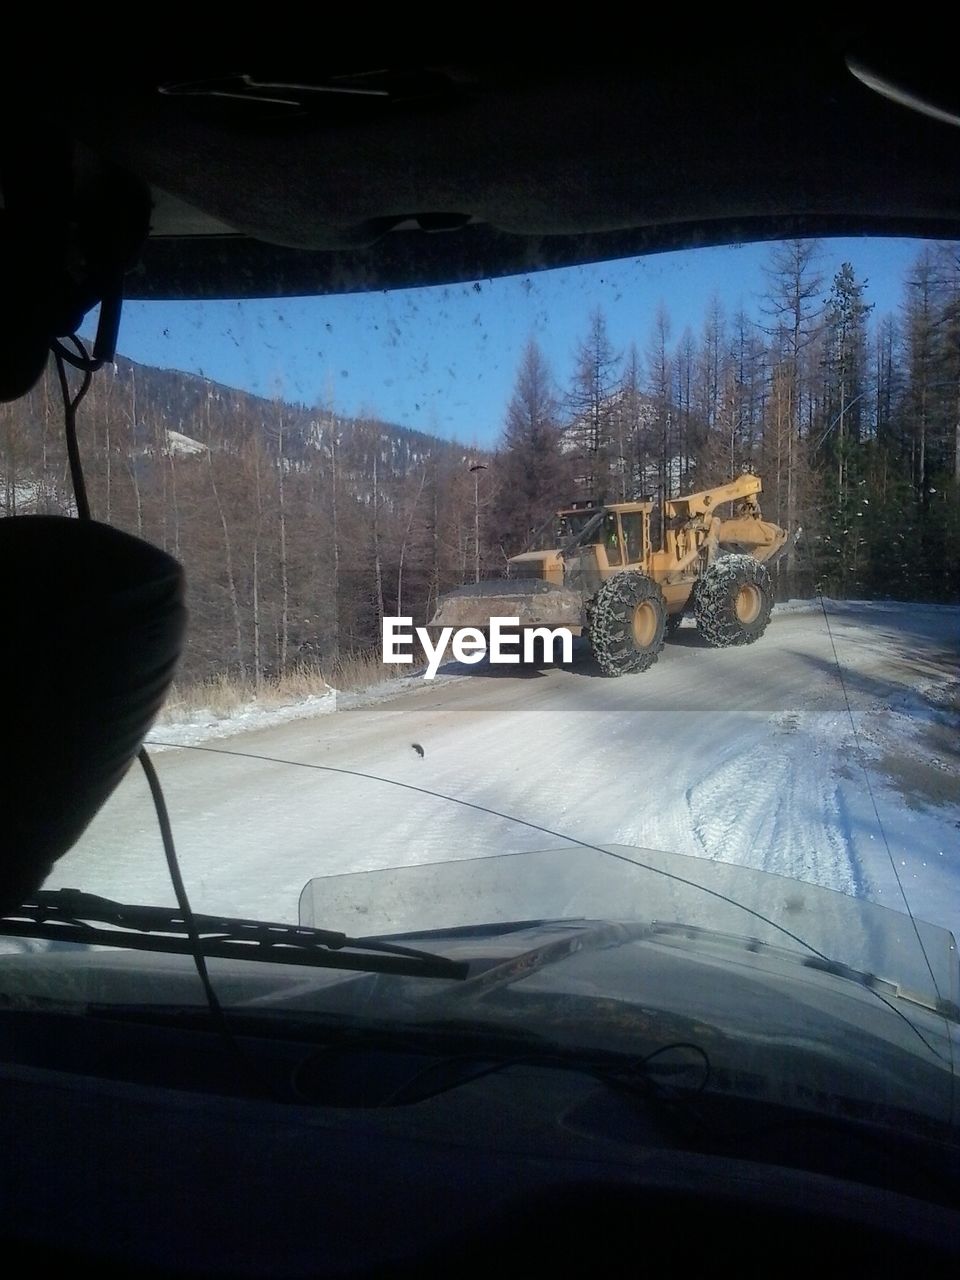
715 596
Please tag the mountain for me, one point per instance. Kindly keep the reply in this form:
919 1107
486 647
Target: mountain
136 411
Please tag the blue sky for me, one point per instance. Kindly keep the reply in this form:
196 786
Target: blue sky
444 360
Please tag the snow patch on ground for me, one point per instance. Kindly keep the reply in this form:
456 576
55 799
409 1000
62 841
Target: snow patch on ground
177 442
754 809
204 724
796 606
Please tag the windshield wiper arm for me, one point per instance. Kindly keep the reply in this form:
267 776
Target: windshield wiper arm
63 915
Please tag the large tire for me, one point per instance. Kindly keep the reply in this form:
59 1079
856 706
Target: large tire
733 600
627 620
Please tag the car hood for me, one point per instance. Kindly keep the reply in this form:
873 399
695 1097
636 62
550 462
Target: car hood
619 952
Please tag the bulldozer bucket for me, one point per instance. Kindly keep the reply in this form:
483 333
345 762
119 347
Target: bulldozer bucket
534 603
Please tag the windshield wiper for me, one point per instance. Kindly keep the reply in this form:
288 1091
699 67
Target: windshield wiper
63 915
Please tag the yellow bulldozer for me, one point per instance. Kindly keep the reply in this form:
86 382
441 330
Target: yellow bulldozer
605 579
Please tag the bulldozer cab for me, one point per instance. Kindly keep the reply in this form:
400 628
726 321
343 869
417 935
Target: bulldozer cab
624 538
576 524
606 539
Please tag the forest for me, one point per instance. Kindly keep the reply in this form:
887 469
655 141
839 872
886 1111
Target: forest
301 528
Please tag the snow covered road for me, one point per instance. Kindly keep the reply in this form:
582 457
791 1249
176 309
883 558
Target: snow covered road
742 755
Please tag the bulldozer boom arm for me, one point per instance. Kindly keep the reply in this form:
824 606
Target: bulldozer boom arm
745 487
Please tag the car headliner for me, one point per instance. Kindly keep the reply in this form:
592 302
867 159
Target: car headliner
283 179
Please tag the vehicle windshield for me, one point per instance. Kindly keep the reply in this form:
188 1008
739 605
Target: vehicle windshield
770 686
572 524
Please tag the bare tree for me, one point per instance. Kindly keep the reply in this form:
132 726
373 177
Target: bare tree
794 308
592 406
659 374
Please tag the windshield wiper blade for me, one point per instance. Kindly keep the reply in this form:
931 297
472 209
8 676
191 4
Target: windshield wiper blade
63 915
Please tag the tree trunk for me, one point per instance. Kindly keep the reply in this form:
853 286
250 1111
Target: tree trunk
132 454
377 563
403 544
284 573
336 539
257 629
228 564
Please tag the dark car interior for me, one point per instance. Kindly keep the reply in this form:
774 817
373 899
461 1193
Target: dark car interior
137 1149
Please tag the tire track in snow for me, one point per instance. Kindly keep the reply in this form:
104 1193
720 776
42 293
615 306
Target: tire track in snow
778 806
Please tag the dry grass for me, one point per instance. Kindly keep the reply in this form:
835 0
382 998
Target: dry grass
361 670
227 693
